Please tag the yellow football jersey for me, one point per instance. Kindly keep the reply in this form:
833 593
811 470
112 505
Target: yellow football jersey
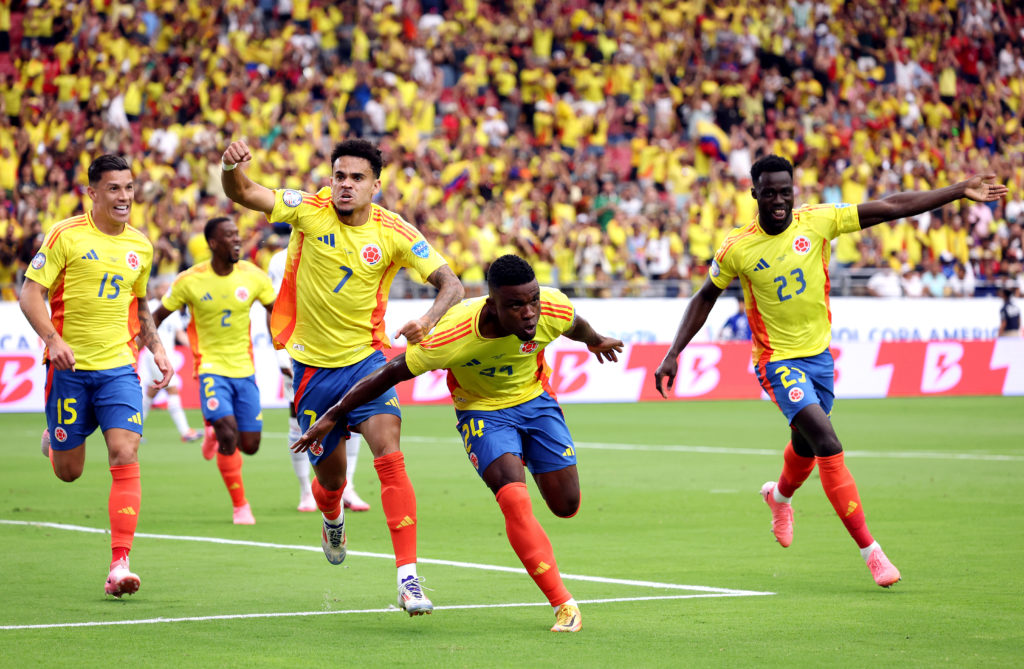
487 373
219 329
330 309
785 279
94 281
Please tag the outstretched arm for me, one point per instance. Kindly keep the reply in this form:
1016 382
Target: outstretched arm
605 348
449 293
237 184
980 188
369 387
693 320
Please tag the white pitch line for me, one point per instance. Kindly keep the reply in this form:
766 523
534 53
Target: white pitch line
773 452
390 609
389 556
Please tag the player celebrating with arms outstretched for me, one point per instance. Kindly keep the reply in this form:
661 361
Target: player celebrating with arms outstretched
219 293
95 268
781 259
343 254
507 414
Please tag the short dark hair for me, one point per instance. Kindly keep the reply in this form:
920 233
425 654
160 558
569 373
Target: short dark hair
769 163
359 148
509 270
106 163
211 226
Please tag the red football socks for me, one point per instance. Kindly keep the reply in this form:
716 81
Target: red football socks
123 507
328 501
399 503
230 467
795 470
842 493
530 542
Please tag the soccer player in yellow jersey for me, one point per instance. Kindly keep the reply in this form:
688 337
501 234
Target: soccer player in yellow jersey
781 259
95 268
343 254
219 293
493 349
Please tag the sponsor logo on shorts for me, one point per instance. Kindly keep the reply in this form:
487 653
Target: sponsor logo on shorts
133 260
474 460
317 449
796 394
291 198
38 260
371 254
212 404
801 245
421 249
241 293
715 269
60 434
528 347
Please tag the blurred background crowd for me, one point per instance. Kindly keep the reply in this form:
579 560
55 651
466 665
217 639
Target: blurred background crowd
609 143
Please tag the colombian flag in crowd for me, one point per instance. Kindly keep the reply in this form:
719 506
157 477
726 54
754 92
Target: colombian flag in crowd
712 140
456 184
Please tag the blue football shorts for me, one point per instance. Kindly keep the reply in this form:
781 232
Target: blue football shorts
799 382
317 389
227 396
535 431
79 402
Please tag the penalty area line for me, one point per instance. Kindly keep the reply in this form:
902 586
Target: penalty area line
390 609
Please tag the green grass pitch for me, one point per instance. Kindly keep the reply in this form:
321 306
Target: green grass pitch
671 555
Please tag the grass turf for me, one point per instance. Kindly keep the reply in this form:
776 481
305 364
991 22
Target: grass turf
669 496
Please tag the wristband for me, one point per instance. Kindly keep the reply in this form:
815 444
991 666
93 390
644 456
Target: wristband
227 168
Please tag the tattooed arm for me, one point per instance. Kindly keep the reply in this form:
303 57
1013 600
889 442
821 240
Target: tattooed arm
149 339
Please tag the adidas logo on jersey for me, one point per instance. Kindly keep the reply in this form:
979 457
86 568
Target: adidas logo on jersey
471 363
91 255
327 239
761 264
206 298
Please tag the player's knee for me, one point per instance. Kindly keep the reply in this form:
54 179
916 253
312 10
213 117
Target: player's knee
565 508
67 474
249 444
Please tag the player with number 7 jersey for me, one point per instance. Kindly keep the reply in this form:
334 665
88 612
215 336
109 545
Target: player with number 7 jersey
343 255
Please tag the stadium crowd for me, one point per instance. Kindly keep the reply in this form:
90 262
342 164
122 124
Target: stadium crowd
607 143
